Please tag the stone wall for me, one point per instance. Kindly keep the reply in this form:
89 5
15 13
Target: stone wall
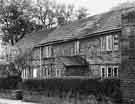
91 49
128 56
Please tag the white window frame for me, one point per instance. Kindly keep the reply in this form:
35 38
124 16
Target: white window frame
58 72
46 72
77 47
104 71
48 51
103 43
109 42
117 71
108 71
115 47
35 71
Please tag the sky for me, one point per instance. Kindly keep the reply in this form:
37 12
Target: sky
95 6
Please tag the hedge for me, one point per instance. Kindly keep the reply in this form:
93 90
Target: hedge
9 82
107 87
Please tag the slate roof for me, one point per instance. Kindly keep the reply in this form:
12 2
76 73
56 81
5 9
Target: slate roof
75 30
30 40
72 61
78 29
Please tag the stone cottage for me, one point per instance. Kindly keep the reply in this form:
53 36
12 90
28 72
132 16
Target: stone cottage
100 46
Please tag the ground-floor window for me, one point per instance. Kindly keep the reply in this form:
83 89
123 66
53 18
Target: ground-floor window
103 71
108 71
115 71
58 72
35 75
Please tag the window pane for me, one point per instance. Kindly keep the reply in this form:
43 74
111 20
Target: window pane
115 42
109 43
35 73
109 71
115 71
103 71
103 43
76 47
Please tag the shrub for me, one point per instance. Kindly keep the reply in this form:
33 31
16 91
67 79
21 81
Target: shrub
83 86
9 82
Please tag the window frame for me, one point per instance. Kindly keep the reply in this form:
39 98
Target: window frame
58 72
47 51
115 42
35 73
103 66
109 66
77 47
117 71
110 42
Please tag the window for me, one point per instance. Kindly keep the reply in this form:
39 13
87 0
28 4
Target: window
103 71
77 46
115 42
109 71
35 73
47 51
109 43
58 72
115 71
46 71
103 43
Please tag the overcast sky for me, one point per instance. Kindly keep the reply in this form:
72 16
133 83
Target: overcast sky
95 6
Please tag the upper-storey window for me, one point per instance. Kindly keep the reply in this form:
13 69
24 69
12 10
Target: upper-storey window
115 42
77 47
36 53
47 51
109 43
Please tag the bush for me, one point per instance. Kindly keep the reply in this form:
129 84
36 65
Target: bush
85 86
9 82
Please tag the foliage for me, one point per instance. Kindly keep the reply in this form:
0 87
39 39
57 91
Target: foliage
19 17
108 87
15 23
9 82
